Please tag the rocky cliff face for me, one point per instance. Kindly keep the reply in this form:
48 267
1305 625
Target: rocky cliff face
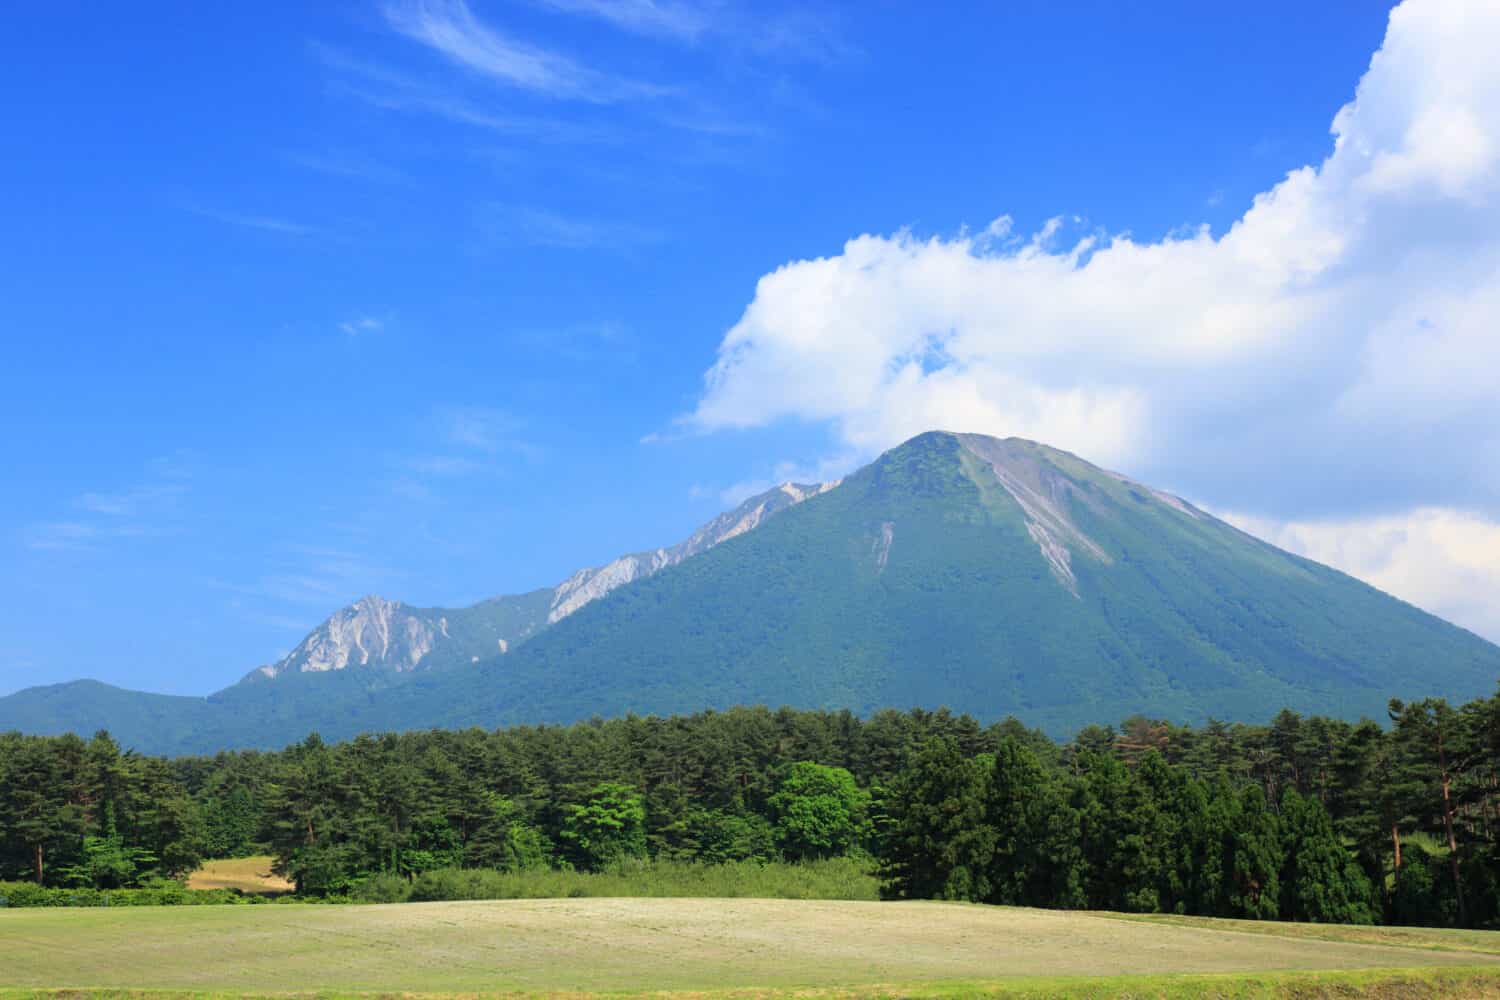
370 632
377 632
1045 496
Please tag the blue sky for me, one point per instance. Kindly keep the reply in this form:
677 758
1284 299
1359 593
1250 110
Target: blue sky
308 301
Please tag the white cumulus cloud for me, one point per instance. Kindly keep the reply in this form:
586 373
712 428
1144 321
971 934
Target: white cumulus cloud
1334 355
1373 278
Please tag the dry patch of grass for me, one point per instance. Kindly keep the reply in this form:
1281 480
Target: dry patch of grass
252 875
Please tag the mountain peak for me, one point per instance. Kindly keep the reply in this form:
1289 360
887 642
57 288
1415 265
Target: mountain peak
1052 488
1036 462
371 631
1014 447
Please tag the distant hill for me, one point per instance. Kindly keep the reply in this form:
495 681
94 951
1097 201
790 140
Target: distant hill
992 576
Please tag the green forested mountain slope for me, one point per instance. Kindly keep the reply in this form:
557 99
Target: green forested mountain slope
148 721
993 577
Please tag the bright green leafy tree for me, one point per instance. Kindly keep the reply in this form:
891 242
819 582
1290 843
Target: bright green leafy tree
606 828
820 811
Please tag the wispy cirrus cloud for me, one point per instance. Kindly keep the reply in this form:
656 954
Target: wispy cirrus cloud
264 223
282 623
467 441
141 500
806 33
579 89
443 465
449 28
802 32
316 576
362 325
681 21
346 164
548 131
61 536
530 226
482 428
389 90
98 517
583 343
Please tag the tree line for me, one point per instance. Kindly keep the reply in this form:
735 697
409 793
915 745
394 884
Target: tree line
1302 819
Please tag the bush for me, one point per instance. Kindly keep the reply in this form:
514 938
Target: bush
28 894
460 883
1423 894
729 837
384 888
835 878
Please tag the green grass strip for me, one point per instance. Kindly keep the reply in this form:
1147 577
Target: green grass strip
1370 984
1425 938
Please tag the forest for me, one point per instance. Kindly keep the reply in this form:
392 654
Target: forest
1307 818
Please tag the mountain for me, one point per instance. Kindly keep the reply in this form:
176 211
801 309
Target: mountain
992 576
375 632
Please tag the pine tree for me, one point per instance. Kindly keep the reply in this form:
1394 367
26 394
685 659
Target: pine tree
935 841
1256 859
1320 881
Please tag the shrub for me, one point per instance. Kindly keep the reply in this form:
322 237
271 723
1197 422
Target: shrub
460 883
834 878
384 888
28 894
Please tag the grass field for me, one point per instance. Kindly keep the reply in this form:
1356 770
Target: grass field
1431 938
699 945
245 874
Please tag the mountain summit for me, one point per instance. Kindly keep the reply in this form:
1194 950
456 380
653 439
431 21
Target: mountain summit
992 576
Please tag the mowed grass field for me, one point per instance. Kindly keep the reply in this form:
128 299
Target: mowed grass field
698 945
